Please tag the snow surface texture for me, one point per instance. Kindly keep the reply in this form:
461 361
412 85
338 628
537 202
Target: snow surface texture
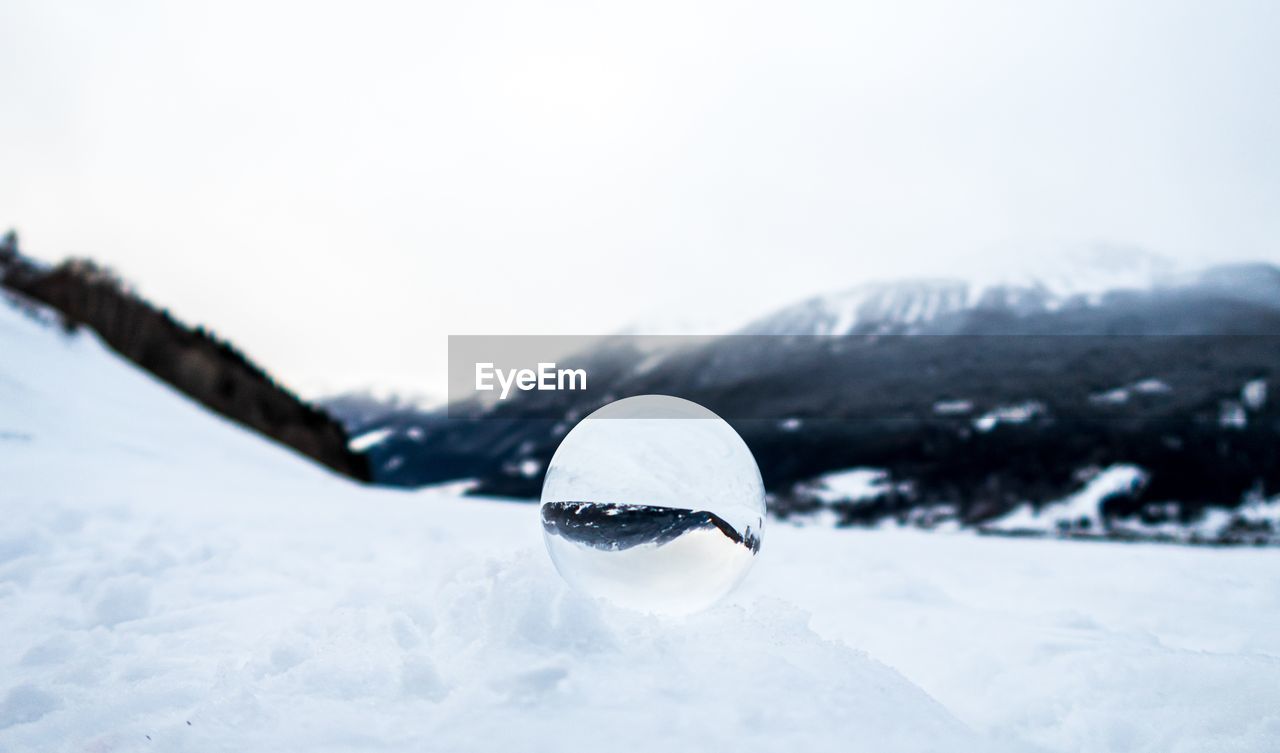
169 582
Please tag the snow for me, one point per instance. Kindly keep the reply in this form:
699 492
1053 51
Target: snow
1121 395
370 439
169 582
849 485
1080 515
1254 394
1089 272
1082 510
907 302
952 407
25 703
1118 396
1260 511
1152 387
1231 415
403 397
1008 414
454 488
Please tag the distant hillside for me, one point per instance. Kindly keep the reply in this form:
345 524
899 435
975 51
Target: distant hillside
971 404
207 369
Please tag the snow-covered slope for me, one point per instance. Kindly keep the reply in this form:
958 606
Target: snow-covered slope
878 306
169 582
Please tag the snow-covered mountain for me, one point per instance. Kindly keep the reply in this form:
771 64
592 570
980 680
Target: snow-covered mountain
872 308
1077 280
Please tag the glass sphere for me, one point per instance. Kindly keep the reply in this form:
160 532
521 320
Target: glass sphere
653 503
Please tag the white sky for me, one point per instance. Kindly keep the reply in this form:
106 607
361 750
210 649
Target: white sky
337 188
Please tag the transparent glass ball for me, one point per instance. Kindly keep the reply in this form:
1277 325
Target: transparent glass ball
653 503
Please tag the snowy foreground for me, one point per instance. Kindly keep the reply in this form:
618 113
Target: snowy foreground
169 582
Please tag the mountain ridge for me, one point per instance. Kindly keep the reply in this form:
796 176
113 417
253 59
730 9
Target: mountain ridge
207 369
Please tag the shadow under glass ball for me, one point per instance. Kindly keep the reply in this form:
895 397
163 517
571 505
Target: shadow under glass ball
653 503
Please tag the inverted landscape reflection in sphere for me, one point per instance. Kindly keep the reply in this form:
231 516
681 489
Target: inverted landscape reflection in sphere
653 503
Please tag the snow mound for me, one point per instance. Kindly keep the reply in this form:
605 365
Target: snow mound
204 636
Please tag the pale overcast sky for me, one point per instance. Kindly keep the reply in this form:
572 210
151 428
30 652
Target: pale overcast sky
336 188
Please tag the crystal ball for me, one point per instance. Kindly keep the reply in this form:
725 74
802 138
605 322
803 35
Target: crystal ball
653 503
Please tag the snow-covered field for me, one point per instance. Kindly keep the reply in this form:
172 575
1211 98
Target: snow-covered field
169 582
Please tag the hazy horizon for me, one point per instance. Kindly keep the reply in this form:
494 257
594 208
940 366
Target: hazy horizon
336 189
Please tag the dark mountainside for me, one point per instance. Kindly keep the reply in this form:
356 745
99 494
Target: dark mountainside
971 413
208 370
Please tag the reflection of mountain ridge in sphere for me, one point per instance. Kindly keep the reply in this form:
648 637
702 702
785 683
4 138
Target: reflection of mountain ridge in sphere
654 503
612 527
